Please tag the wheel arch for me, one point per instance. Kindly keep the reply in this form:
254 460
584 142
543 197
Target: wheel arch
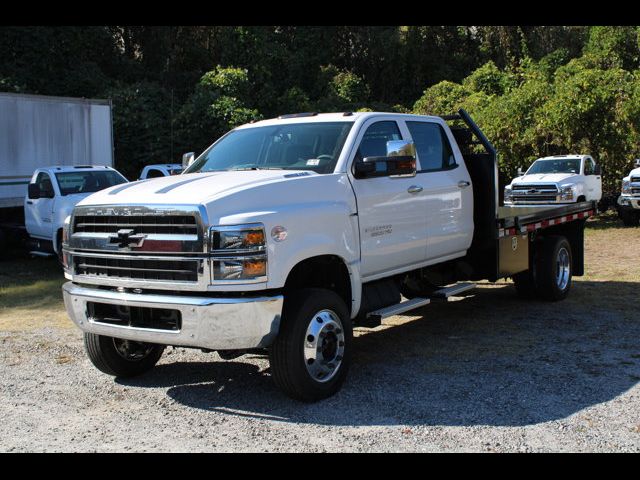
325 271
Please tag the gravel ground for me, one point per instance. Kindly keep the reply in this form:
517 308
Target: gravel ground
488 372
480 374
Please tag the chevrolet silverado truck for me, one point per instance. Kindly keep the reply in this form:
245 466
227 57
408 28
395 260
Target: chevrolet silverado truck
556 179
51 195
628 204
287 232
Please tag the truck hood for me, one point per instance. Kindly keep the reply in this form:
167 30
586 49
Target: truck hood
634 173
190 189
558 178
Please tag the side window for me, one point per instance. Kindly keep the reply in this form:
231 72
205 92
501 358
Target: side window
432 146
588 167
154 173
44 182
374 141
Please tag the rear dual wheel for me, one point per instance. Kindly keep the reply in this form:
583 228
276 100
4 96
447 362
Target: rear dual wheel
550 277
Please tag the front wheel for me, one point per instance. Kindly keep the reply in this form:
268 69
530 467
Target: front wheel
121 358
630 218
310 357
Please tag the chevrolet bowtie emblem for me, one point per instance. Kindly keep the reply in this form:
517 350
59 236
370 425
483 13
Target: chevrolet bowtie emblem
125 238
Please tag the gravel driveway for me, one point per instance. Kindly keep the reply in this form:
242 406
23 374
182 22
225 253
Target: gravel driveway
488 372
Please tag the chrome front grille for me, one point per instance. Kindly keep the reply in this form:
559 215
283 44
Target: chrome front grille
163 247
544 193
132 268
174 224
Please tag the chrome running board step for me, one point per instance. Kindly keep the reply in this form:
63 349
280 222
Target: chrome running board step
453 290
373 319
398 308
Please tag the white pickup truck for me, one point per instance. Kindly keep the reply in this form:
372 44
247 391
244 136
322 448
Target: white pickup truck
628 204
52 194
556 179
286 232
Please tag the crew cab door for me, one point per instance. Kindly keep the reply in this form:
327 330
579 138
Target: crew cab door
391 209
593 181
447 194
38 212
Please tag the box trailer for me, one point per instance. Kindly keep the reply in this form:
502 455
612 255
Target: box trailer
38 131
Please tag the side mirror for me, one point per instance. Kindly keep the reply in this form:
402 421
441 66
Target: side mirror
399 161
188 158
520 172
597 170
637 163
33 191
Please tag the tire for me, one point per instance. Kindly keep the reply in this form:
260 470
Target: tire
300 363
108 355
554 268
525 284
629 219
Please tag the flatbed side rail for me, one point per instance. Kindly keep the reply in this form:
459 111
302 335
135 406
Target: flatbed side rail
532 222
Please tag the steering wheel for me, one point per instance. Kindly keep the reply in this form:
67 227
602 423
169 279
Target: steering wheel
325 156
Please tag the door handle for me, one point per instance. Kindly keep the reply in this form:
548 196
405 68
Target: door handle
29 202
414 189
463 184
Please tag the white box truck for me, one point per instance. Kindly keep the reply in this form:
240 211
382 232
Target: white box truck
40 131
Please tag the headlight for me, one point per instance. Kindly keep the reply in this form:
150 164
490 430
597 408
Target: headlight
507 193
626 187
237 238
65 230
239 268
238 253
567 192
65 241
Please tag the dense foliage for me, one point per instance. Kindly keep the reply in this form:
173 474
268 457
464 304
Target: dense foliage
534 90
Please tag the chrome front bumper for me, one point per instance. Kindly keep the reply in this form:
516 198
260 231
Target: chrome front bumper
212 323
629 201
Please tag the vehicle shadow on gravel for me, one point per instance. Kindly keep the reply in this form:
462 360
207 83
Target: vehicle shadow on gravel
490 359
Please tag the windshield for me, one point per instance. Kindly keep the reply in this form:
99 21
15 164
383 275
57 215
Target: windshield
297 146
571 165
88 181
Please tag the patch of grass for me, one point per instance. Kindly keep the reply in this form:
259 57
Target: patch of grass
31 294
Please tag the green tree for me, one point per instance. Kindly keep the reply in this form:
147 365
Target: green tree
216 106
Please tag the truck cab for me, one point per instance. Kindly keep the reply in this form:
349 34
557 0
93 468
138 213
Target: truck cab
556 179
160 170
286 232
52 194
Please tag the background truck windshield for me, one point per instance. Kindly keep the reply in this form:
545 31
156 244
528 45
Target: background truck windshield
298 146
87 181
555 166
